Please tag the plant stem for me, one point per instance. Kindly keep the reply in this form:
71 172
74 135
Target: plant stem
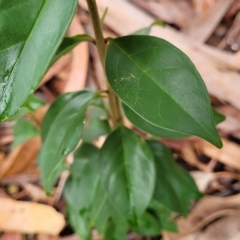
115 111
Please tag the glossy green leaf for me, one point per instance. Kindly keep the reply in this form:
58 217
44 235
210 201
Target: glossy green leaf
175 187
160 83
61 132
30 34
148 127
23 131
96 125
158 131
69 43
80 188
127 171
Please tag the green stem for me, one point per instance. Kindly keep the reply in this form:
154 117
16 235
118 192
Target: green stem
115 110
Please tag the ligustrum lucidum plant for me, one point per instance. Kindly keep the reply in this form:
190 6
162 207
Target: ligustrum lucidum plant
130 183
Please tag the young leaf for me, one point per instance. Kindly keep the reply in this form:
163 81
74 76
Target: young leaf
160 83
104 16
61 132
69 43
127 171
80 188
148 127
23 131
143 31
33 103
30 34
147 30
175 188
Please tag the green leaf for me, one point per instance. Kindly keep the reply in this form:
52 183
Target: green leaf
160 83
127 171
84 177
33 103
101 210
81 186
104 16
21 113
115 232
97 125
30 34
217 117
78 223
164 216
148 127
158 131
23 131
143 31
147 30
148 225
69 43
61 132
175 187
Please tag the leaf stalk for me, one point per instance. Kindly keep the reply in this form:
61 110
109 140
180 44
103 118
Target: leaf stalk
114 103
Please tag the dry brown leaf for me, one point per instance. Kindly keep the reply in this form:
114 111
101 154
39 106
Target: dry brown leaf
11 236
231 123
6 139
28 217
201 28
35 192
40 114
226 228
223 229
80 60
20 158
57 67
170 11
205 211
202 179
202 6
46 237
71 237
191 158
2 157
228 155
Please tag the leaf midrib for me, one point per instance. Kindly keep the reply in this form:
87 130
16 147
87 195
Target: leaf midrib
63 139
140 67
125 169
